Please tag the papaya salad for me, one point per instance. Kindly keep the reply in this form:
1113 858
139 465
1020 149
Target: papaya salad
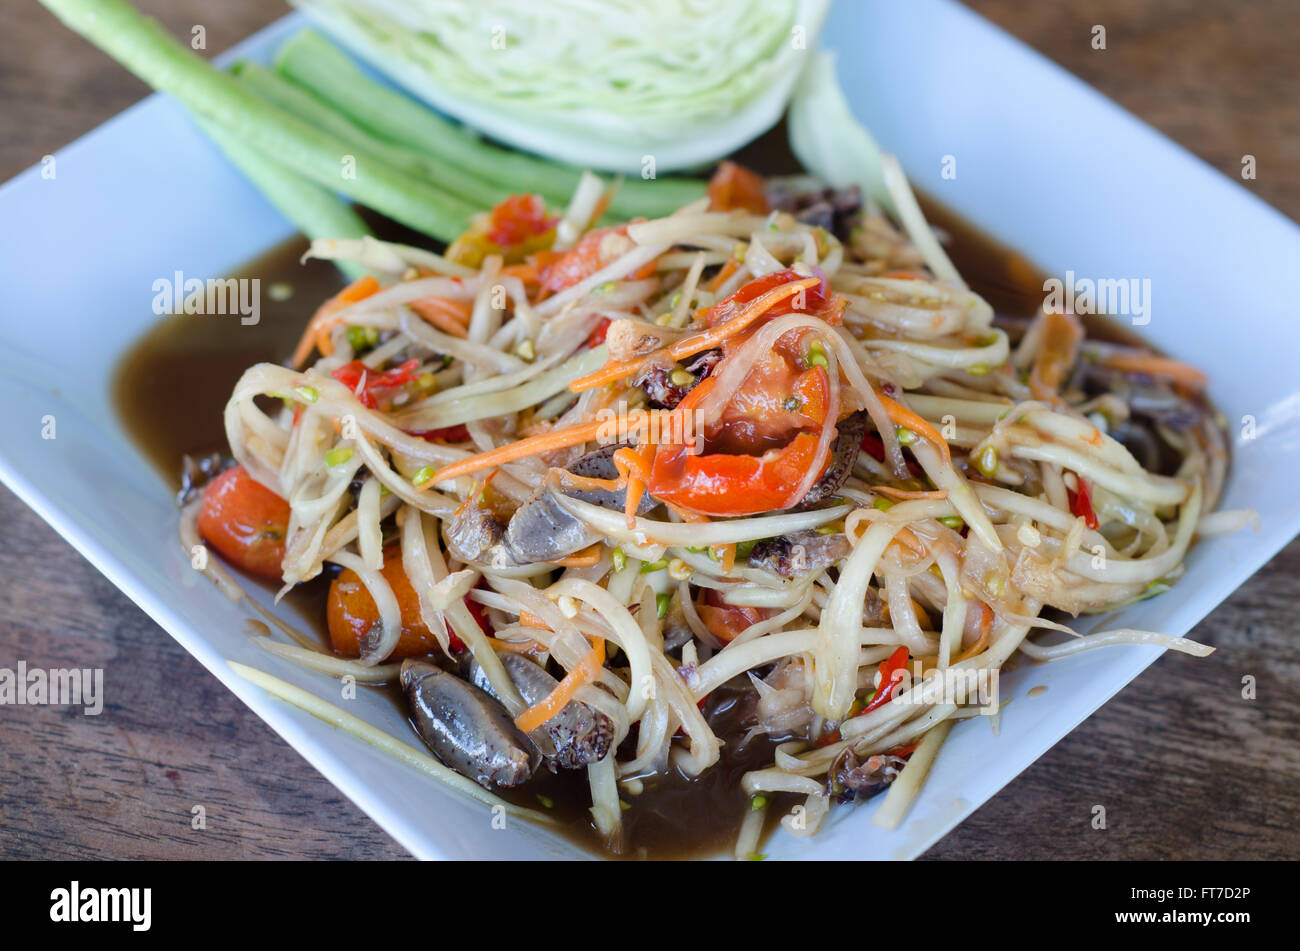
583 485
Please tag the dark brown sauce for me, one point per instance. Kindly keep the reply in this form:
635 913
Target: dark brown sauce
170 389
1004 277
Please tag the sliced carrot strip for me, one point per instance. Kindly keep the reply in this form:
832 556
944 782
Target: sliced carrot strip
1153 365
517 647
448 315
909 493
902 416
908 540
633 466
697 343
1057 351
318 328
527 273
574 435
986 628
586 671
579 559
728 269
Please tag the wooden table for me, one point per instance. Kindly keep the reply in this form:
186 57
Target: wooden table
1185 767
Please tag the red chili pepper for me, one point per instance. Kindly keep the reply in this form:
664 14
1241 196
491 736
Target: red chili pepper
1081 503
873 446
455 643
480 615
598 335
372 383
458 433
891 670
907 750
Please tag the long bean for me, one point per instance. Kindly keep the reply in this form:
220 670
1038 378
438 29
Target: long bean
280 91
311 61
146 49
314 209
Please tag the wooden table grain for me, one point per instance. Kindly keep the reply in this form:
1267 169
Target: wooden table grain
1185 767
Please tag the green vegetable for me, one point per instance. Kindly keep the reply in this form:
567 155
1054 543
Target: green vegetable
619 559
883 504
312 62
269 85
904 436
953 522
633 73
308 394
316 211
362 338
146 49
276 88
423 475
662 601
816 355
649 566
337 456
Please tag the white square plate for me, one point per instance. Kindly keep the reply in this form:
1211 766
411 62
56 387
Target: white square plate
1044 163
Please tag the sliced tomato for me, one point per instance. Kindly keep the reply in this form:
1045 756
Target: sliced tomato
776 399
726 621
350 612
726 484
596 249
734 186
815 301
245 521
764 441
518 219
514 229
